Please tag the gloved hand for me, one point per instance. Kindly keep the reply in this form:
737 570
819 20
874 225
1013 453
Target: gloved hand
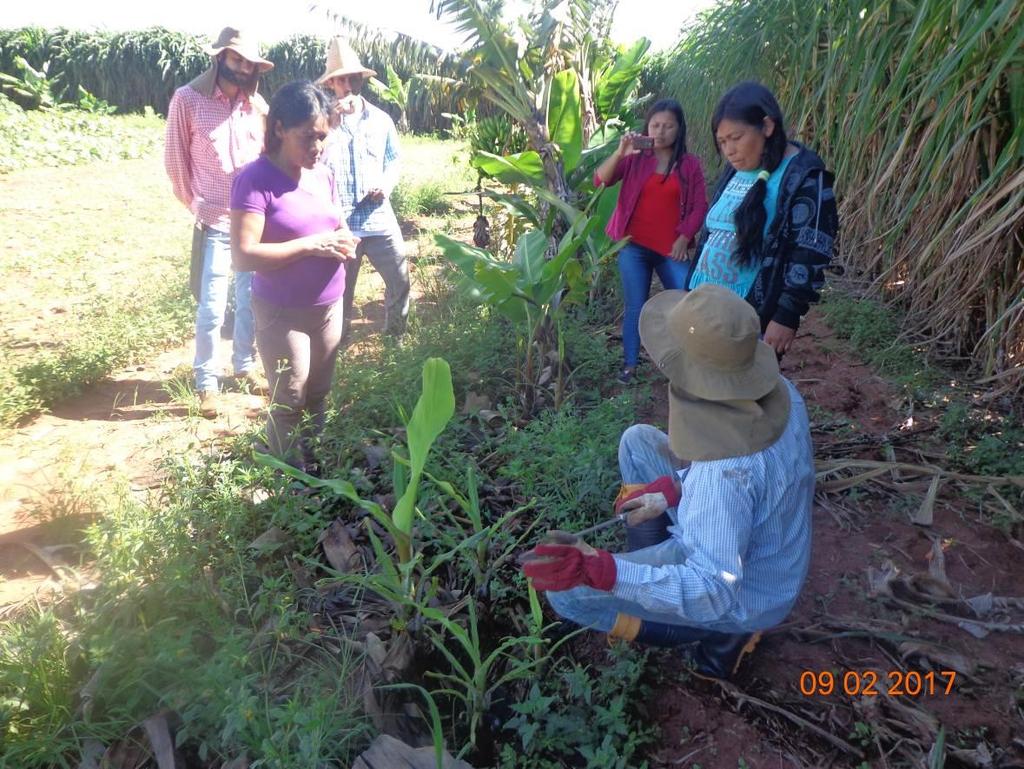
649 501
565 566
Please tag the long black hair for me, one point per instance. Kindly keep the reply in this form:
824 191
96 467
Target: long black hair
293 104
679 149
751 103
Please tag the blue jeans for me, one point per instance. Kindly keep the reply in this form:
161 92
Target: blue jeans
637 265
213 300
644 455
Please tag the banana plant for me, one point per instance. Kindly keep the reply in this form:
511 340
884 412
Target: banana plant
600 86
34 89
395 91
531 290
519 68
571 103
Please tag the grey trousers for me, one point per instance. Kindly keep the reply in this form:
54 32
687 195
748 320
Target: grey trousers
387 254
298 347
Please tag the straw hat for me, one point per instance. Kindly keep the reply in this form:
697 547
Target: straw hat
342 60
726 397
235 40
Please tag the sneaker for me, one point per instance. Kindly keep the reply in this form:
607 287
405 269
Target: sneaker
625 376
209 403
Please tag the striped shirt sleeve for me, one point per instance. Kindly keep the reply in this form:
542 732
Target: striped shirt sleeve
716 520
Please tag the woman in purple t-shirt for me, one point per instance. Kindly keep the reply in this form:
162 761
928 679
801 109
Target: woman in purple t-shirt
286 227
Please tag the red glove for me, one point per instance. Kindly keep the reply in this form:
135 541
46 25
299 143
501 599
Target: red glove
665 485
562 567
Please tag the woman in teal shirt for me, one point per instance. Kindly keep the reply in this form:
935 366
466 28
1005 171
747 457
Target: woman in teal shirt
769 232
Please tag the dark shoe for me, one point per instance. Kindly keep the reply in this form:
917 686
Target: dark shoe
720 655
625 376
716 655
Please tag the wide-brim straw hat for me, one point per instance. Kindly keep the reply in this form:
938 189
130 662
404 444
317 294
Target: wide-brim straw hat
342 60
726 396
232 39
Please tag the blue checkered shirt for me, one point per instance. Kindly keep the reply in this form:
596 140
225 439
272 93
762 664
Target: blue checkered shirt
362 152
741 542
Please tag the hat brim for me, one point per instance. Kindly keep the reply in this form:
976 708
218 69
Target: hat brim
263 65
343 71
752 382
701 430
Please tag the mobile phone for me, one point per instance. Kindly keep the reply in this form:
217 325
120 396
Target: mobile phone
644 142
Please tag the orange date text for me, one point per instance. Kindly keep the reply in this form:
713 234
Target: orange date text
871 683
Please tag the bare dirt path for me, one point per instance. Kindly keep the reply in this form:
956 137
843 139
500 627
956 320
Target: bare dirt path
58 471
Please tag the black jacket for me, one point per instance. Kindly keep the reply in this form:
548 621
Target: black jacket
798 245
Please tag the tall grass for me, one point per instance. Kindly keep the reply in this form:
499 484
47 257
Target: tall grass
919 108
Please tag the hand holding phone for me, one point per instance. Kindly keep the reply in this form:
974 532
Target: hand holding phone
643 142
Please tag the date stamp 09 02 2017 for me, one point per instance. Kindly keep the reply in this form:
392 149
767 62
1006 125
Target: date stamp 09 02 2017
871 683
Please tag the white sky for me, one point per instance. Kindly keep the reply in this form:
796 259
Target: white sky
657 20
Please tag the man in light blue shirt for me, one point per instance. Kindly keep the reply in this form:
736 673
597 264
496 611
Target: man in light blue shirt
722 503
362 152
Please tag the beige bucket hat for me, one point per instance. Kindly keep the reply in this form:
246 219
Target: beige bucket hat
342 60
726 397
244 45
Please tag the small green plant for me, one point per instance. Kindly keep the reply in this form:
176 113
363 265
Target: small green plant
395 91
981 441
937 754
428 198
863 733
89 103
575 714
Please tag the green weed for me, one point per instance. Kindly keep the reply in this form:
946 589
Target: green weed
567 461
575 714
982 442
874 332
184 616
424 199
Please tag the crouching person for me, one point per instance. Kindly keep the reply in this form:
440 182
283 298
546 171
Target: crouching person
719 510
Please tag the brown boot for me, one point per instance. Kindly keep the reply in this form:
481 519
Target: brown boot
209 404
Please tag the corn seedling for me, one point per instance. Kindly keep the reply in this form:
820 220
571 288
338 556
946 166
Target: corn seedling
434 408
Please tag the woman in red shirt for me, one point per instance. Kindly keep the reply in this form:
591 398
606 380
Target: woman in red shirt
661 207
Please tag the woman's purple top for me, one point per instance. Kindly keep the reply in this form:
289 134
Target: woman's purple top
292 210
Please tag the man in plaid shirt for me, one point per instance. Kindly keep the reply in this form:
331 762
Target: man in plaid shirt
362 151
214 128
